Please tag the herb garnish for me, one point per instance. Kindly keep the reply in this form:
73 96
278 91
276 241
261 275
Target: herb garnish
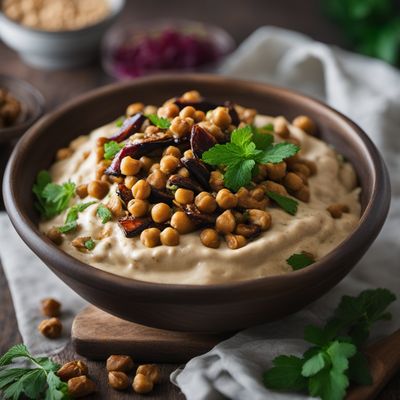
89 244
70 223
52 198
326 369
119 122
300 260
248 146
286 203
38 382
162 123
111 148
103 213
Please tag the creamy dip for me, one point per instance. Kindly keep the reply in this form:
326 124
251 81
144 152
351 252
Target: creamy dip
312 229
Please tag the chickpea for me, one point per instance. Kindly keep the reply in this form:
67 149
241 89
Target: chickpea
187 112
275 187
248 115
161 212
141 190
134 108
151 130
157 179
209 237
150 237
191 96
147 162
181 222
275 172
312 166
130 166
293 181
215 130
261 173
129 181
169 237
303 194
180 127
172 151
152 371
154 167
188 154
169 110
150 109
101 141
246 200
169 164
337 210
138 207
225 222
281 127
305 123
205 202
99 153
302 168
54 235
98 189
63 154
184 196
82 191
142 384
51 328
199 116
101 169
50 307
235 241
216 181
221 117
118 380
115 206
183 172
257 193
261 218
226 199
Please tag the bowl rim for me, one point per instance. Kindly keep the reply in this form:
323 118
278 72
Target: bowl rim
371 220
73 32
14 131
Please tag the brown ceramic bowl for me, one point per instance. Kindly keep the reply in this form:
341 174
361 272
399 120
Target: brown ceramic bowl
221 307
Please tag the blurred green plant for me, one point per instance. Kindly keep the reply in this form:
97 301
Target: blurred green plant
371 26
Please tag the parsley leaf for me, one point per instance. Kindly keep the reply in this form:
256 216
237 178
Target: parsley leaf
103 213
111 148
248 146
89 244
300 260
119 122
52 198
19 350
162 123
72 217
286 203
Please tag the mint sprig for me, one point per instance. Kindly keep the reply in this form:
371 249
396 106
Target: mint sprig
247 148
160 122
52 198
335 359
37 382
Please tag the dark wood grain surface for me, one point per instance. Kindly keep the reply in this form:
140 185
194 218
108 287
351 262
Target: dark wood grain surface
240 18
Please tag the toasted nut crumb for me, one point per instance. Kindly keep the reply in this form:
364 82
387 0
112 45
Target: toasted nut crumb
64 153
118 380
71 370
54 235
142 384
81 386
152 371
119 363
79 242
337 210
235 241
51 328
50 307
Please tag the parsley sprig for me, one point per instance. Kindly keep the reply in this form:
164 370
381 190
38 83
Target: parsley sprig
111 148
103 213
52 199
247 148
39 381
160 122
335 359
71 220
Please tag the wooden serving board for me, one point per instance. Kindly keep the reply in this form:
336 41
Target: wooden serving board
96 335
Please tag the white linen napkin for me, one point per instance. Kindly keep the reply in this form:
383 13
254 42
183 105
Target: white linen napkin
366 90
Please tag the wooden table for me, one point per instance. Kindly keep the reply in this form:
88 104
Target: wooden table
240 18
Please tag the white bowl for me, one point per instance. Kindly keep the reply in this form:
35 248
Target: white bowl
63 49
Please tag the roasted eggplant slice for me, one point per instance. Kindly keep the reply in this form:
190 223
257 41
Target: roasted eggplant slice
202 105
159 196
199 218
133 226
184 183
129 127
201 140
198 171
233 113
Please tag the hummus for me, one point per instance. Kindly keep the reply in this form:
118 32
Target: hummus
311 230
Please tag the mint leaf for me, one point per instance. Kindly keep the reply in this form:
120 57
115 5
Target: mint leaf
263 140
103 213
19 350
242 136
286 203
111 148
314 364
277 153
34 383
225 154
286 374
315 335
300 261
359 370
328 384
89 244
339 353
57 390
238 175
162 123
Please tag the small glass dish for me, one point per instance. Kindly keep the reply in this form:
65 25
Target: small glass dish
164 45
32 107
